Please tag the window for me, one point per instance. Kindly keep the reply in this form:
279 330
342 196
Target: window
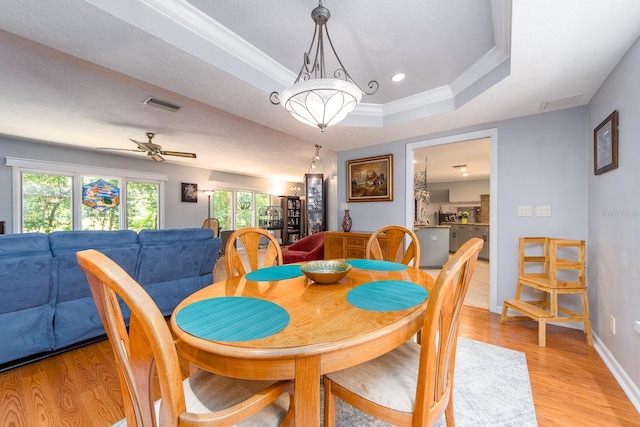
142 205
222 208
238 208
48 197
244 209
46 202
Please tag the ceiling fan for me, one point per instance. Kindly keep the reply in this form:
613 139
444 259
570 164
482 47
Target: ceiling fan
154 151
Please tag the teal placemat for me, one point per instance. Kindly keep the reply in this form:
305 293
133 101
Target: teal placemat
232 319
372 264
387 295
278 272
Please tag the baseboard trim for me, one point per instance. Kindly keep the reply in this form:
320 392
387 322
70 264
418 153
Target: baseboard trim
44 355
629 388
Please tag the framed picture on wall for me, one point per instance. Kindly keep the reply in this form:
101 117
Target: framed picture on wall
189 192
605 145
370 179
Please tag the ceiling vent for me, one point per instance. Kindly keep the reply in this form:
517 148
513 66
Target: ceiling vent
155 102
559 103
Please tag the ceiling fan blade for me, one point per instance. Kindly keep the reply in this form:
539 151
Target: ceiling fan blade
120 149
141 145
179 154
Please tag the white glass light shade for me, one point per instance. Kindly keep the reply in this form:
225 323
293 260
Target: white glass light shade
321 102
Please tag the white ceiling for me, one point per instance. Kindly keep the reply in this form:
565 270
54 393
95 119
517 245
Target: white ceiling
76 72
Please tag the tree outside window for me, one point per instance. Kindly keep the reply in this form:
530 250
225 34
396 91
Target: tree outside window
222 208
46 202
142 205
244 209
238 208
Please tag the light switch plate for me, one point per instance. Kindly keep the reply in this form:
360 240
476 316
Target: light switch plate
524 210
543 210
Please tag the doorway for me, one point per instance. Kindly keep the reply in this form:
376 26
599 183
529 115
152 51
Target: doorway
486 272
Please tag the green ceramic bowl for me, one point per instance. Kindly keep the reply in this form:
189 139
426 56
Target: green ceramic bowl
324 272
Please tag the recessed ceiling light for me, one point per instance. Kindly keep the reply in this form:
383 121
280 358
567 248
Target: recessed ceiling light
463 169
397 77
465 174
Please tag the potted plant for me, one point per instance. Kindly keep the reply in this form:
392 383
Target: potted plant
462 217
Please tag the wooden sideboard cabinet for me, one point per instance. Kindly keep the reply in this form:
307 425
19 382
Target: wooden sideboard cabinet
347 245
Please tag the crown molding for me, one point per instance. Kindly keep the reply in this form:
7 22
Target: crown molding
189 29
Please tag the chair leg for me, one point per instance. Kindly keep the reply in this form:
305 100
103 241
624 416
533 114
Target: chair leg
587 318
329 405
504 313
289 418
448 414
542 333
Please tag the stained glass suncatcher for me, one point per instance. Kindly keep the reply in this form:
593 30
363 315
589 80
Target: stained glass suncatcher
100 195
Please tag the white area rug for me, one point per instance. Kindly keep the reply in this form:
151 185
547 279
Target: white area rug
491 389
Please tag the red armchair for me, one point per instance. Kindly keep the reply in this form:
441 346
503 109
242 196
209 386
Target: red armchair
309 248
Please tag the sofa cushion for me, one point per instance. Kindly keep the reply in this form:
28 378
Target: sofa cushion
175 254
121 246
25 265
175 263
26 296
74 300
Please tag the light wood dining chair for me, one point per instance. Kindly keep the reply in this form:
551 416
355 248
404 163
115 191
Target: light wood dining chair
394 247
412 385
213 224
146 351
239 261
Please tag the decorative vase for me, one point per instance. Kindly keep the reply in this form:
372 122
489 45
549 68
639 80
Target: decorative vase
346 221
463 220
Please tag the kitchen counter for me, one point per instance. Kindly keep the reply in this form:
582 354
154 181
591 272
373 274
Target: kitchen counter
415 227
434 245
460 233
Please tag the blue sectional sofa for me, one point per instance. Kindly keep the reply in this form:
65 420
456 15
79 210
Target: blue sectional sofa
45 302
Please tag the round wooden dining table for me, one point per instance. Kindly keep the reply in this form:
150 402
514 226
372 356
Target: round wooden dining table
306 329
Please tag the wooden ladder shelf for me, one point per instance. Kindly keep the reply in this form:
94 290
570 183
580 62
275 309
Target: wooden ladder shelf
551 267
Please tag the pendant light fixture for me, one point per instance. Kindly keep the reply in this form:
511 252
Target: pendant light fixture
316 157
314 98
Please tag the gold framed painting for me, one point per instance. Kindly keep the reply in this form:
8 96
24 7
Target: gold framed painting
370 179
605 145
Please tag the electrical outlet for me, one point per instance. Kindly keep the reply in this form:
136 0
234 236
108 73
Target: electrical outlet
543 210
524 210
612 324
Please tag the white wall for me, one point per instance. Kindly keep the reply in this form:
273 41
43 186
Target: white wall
613 246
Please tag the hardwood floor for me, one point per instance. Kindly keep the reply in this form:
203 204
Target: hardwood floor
478 293
571 385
